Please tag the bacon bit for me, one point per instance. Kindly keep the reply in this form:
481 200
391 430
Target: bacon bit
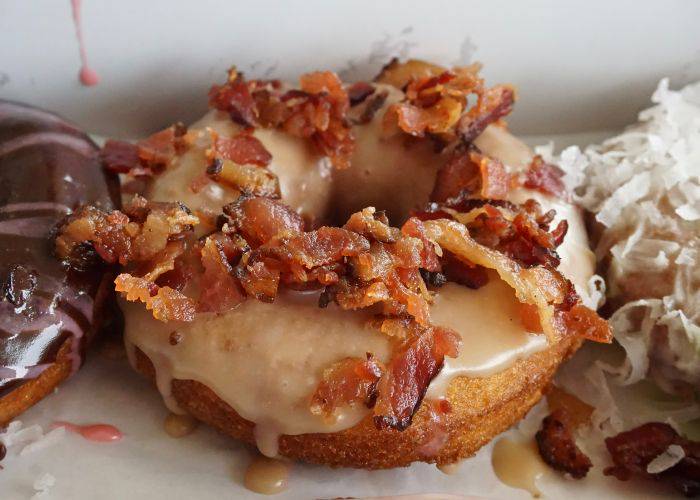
122 157
463 273
437 434
400 74
374 104
317 248
346 382
221 291
409 373
530 318
372 224
494 178
358 92
545 177
249 180
429 260
148 156
261 219
351 297
584 322
633 450
459 175
418 121
469 173
573 412
109 234
243 149
165 303
235 98
260 279
492 105
558 447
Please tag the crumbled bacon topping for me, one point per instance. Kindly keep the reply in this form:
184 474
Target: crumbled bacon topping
165 303
492 105
437 101
148 156
244 149
632 451
316 112
558 448
470 174
545 177
346 382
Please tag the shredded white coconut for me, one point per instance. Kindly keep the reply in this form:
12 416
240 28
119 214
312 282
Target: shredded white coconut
49 439
23 440
42 485
644 188
666 460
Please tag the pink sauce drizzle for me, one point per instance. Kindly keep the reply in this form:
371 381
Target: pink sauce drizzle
98 433
88 76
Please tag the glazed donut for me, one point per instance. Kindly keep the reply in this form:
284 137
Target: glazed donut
375 377
48 311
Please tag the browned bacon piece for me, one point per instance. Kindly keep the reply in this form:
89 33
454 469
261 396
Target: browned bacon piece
633 450
347 382
412 367
221 291
492 105
243 149
470 174
558 448
260 219
545 177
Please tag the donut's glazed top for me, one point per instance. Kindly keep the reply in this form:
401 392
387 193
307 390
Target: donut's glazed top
269 362
47 169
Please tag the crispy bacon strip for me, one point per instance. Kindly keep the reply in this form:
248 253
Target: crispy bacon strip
166 303
539 286
412 367
347 382
558 448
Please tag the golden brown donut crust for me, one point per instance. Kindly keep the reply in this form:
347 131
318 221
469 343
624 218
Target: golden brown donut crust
481 409
32 391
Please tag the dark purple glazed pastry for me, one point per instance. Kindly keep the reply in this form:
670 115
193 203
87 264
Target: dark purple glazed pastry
48 309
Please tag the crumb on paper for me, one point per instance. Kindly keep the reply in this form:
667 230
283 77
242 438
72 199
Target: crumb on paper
42 485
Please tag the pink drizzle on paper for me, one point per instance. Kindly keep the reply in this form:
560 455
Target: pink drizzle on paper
98 433
87 75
